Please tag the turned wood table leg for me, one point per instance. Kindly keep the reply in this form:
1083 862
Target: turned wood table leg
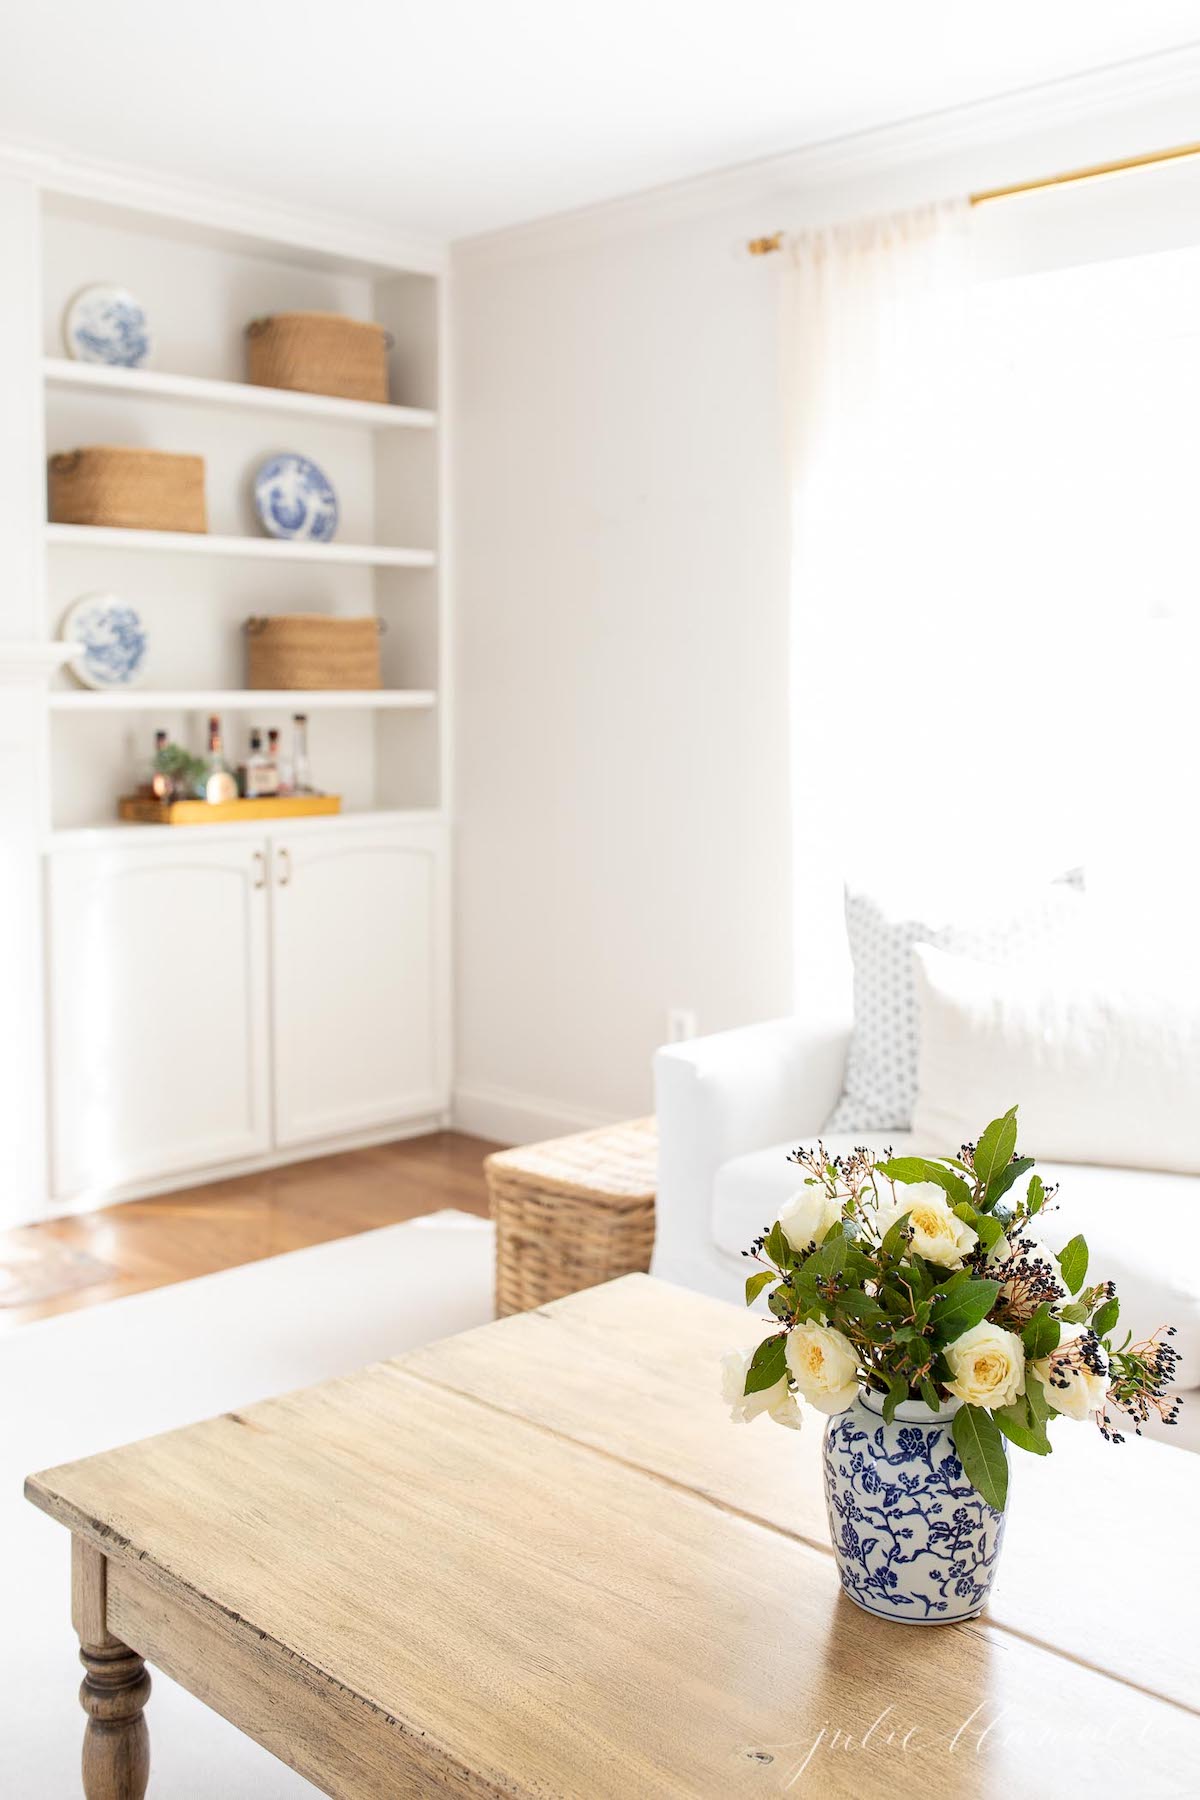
116 1743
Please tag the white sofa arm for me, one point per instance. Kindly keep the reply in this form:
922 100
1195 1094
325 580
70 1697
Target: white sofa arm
721 1096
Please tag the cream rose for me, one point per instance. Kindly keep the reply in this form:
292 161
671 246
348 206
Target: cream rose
824 1366
938 1235
778 1401
987 1366
1075 1376
807 1217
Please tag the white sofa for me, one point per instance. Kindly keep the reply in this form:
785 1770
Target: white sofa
731 1106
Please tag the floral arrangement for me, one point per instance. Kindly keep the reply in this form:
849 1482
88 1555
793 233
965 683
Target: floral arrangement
924 1279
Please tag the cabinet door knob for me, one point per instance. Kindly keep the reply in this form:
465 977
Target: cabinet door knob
260 869
285 867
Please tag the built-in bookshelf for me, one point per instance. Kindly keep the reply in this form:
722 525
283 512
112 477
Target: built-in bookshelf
382 749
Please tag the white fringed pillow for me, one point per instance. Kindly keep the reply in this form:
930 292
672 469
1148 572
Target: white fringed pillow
1103 1057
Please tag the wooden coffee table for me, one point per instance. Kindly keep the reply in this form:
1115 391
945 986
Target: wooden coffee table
537 1560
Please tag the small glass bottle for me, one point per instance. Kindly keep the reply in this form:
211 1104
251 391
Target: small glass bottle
220 782
302 781
259 776
273 757
161 784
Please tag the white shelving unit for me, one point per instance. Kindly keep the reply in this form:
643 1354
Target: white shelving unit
223 996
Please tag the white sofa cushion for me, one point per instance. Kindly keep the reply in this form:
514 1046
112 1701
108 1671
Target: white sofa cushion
1102 1053
881 1067
1130 1218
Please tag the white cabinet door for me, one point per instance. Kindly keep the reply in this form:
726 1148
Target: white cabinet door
359 979
158 1006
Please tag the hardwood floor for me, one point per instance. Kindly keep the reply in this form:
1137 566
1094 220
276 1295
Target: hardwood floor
195 1231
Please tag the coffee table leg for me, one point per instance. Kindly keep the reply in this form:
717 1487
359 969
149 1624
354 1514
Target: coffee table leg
116 1743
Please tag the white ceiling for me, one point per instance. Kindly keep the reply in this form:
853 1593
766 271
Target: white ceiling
450 117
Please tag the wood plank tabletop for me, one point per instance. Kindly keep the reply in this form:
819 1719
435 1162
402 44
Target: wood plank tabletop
630 1368
537 1562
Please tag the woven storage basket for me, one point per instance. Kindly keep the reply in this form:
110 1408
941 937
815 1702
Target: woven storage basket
572 1212
319 353
142 490
312 650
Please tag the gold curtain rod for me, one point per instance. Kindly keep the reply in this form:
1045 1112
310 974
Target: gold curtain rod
764 246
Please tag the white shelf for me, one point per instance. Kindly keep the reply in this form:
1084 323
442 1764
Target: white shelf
113 833
195 390
203 543
245 700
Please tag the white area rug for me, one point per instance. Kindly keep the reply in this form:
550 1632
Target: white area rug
106 1375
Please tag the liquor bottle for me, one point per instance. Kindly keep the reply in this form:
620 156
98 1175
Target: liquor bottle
282 775
220 782
302 781
258 775
162 785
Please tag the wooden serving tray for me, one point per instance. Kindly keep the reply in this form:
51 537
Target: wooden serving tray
137 811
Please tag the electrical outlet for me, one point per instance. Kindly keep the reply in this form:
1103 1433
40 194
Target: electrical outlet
681 1025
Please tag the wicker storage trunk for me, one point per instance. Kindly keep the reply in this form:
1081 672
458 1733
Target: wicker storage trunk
572 1212
312 650
319 353
142 490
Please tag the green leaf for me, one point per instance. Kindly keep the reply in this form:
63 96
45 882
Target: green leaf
857 1305
962 1307
1073 1314
990 1229
782 1300
1040 1409
1005 1179
895 1238
897 1391
777 1247
1035 1195
981 1451
767 1365
830 1259
909 1169
994 1151
1041 1335
756 1283
1073 1261
929 1395
1020 1428
1106 1316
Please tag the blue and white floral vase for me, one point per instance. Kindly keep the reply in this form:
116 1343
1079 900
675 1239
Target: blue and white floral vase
913 1539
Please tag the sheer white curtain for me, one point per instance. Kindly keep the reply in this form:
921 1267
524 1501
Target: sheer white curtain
877 364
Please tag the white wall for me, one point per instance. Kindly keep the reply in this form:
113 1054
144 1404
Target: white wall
622 633
622 747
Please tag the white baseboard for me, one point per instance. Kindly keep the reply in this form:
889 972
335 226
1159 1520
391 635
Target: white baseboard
71 1205
510 1118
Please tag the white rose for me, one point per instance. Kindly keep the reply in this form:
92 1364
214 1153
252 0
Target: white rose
987 1365
938 1235
1075 1376
777 1401
807 1217
824 1366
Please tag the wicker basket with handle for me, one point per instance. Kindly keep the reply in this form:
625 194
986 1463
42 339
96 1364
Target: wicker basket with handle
312 650
319 353
572 1212
141 490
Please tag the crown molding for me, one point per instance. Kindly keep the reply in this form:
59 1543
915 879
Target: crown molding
224 214
1116 96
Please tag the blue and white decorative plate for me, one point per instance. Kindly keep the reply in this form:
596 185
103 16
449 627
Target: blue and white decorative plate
112 638
294 499
107 325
